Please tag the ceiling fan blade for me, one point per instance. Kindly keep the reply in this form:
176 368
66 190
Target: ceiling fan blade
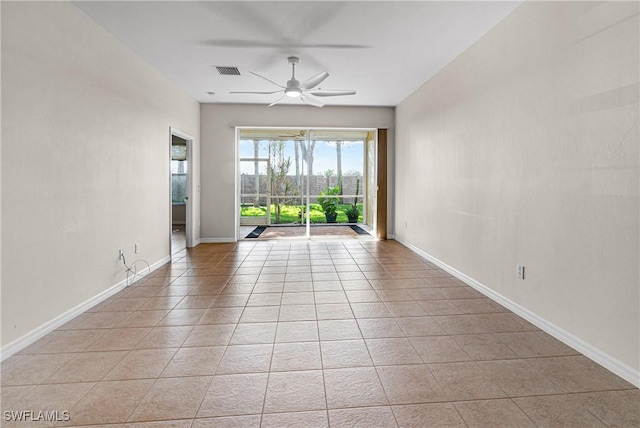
314 81
300 134
331 93
311 101
252 92
231 43
268 80
279 101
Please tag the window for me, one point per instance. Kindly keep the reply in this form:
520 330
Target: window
178 174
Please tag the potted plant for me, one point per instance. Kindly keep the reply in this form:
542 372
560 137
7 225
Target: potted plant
353 213
329 203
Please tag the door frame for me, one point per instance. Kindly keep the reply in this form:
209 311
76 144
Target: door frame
310 129
381 187
189 223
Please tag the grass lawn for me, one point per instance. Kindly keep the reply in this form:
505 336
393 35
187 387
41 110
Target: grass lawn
289 213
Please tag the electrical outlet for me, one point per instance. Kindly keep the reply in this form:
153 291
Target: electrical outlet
520 272
120 254
137 248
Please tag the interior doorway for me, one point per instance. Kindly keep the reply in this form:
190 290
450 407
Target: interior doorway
305 183
180 197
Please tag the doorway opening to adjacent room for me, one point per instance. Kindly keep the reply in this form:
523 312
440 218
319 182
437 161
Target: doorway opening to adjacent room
306 182
181 231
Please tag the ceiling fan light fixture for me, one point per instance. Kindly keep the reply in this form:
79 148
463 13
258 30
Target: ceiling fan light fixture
293 93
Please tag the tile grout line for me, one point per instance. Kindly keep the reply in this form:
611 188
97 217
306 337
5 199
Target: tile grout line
526 414
273 346
324 381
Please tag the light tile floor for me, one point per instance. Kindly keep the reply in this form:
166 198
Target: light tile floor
178 238
309 334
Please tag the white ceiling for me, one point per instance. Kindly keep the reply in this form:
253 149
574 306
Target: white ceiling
383 50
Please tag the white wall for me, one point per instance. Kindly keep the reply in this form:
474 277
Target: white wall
524 150
0 187
85 161
219 152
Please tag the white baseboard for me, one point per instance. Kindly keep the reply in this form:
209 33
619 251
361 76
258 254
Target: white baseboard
619 368
178 222
195 243
60 320
217 240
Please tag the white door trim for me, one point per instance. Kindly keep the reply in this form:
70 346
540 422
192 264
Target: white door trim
190 221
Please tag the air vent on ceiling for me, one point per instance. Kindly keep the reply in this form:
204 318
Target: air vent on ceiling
228 71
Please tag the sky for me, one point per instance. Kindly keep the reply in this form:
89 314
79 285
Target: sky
324 156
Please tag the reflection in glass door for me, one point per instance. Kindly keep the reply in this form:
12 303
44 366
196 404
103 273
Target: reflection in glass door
255 192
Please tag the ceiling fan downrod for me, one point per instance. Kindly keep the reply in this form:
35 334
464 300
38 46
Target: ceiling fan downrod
293 86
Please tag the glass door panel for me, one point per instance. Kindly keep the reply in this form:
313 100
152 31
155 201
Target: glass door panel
288 182
337 181
255 201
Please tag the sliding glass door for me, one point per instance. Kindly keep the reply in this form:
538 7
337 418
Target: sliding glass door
315 178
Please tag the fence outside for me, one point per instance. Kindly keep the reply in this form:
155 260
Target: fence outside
317 184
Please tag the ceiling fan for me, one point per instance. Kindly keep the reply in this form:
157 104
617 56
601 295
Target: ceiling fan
293 135
305 90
